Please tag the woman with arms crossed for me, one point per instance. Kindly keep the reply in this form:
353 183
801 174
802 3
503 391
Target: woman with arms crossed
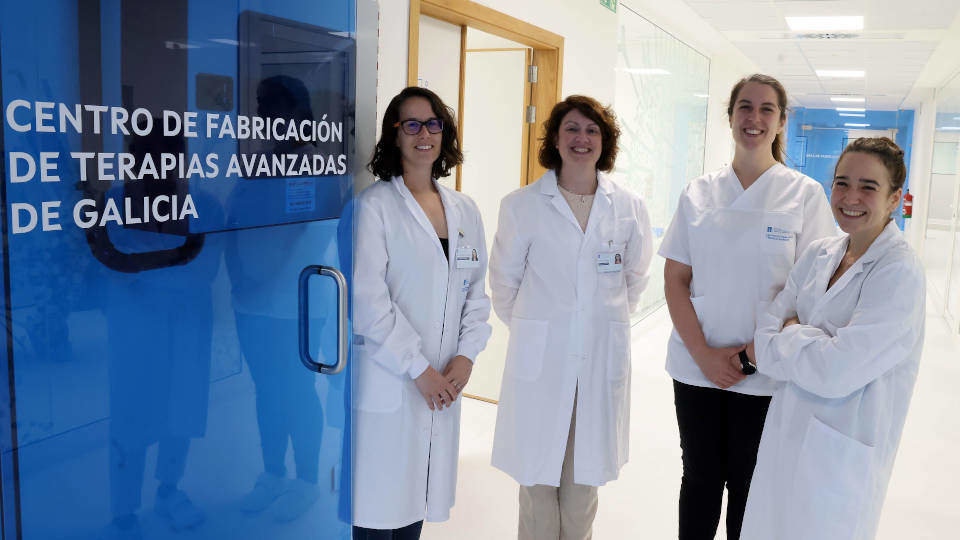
568 264
845 337
732 242
420 316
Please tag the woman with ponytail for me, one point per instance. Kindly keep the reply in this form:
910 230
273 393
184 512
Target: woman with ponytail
736 235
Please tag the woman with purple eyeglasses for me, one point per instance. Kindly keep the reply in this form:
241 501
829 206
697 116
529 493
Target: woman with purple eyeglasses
420 320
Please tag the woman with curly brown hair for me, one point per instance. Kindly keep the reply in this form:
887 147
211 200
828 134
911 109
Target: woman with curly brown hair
568 264
420 320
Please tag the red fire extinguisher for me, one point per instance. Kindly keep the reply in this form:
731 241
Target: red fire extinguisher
907 205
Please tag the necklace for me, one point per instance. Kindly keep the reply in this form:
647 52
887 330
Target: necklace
578 200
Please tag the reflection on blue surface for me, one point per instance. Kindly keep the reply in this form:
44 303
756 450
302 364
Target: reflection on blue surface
154 368
818 136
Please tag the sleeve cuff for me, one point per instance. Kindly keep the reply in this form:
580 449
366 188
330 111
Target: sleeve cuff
470 353
417 366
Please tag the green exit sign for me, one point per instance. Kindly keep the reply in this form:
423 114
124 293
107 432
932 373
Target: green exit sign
609 4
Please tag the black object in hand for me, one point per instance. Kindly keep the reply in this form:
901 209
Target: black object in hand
747 367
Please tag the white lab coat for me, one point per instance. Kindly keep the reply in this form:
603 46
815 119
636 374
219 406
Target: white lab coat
847 375
741 244
412 308
569 328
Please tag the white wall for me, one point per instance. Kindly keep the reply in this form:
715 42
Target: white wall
367 24
439 59
920 163
438 67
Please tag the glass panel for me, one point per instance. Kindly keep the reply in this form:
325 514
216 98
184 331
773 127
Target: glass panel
661 102
942 251
153 378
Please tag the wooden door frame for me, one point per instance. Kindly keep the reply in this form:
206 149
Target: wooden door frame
547 56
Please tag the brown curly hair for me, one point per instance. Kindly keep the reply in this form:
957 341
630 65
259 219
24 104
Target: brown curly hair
387 161
884 149
604 117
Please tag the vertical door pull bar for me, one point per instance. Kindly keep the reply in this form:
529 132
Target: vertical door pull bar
304 322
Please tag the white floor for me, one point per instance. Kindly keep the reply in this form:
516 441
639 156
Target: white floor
923 501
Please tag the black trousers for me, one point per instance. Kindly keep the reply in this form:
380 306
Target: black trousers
719 435
410 532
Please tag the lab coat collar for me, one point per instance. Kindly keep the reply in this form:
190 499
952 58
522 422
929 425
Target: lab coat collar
601 201
450 208
830 258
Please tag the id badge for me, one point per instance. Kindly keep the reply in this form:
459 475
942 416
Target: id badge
609 261
467 257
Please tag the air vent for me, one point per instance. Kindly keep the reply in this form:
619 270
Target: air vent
827 35
881 36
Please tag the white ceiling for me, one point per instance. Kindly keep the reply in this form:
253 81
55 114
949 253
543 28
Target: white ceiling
897 42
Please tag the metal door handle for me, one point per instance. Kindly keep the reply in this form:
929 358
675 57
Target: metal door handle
304 315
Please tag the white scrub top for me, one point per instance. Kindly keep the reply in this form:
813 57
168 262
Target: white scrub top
741 244
567 298
414 307
845 376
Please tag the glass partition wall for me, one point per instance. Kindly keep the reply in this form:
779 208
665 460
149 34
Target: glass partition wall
661 102
943 222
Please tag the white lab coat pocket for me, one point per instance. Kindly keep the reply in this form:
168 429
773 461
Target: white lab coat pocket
378 390
618 351
528 341
779 233
830 484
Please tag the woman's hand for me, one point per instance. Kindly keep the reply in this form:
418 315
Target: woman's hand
721 365
458 372
790 321
435 389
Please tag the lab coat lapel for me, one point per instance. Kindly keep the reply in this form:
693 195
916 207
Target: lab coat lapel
548 187
452 210
876 249
414 207
602 205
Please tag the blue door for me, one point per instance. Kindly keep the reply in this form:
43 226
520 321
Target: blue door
175 354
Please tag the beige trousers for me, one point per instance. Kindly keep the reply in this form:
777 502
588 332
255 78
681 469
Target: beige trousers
564 513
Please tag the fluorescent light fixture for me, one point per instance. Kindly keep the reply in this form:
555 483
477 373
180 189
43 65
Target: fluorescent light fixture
704 96
646 71
824 24
848 124
840 99
855 115
840 73
851 109
956 117
949 128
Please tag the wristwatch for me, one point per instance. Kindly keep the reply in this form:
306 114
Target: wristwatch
746 366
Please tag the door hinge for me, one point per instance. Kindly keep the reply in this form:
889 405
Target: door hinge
532 74
531 114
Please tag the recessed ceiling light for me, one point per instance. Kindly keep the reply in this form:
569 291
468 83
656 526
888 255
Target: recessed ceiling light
646 71
840 73
857 115
844 99
824 24
851 109
848 124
